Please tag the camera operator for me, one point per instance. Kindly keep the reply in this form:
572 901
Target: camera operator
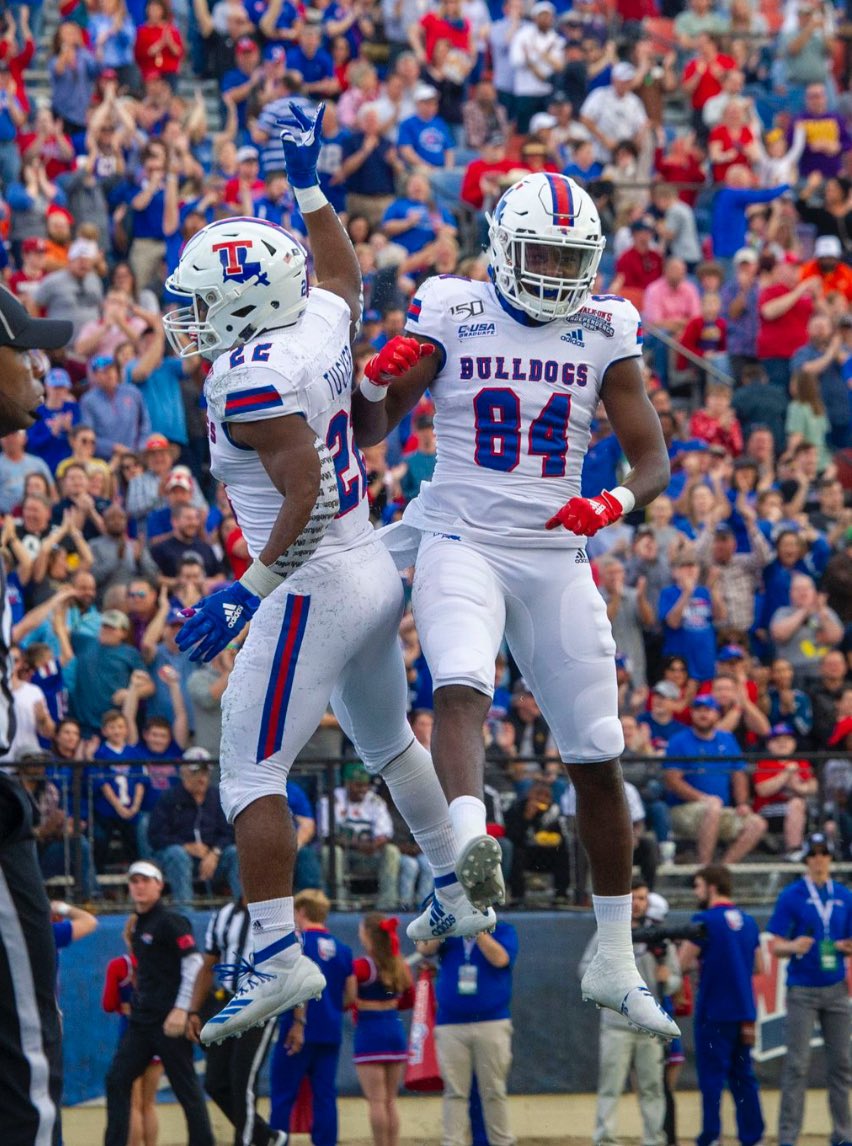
30 1039
623 1047
725 1013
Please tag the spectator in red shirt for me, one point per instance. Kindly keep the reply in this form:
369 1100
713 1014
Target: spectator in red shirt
682 164
18 61
784 309
732 142
482 178
23 282
716 423
702 77
707 334
639 266
782 786
448 23
247 180
49 142
159 47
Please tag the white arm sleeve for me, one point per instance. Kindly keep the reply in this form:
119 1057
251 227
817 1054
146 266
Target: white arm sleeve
189 968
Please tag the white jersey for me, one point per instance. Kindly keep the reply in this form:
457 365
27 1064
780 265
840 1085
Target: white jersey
305 369
513 409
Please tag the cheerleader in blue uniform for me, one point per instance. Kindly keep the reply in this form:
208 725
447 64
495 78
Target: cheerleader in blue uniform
384 988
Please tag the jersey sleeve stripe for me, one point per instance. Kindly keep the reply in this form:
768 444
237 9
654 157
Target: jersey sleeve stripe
414 308
261 398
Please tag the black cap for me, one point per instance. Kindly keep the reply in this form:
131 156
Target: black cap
818 840
21 331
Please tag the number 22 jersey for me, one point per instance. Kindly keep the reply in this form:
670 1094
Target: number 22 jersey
303 369
513 409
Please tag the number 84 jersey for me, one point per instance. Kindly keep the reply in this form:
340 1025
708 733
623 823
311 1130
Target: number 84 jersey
303 369
513 408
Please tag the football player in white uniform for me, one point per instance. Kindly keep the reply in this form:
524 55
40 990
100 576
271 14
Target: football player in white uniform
323 591
499 533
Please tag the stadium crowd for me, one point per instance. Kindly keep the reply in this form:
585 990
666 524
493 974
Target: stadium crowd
715 140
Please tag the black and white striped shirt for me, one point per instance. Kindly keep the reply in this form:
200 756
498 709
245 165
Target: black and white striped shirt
7 704
229 938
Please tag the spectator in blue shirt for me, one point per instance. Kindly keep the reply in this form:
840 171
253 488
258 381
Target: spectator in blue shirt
474 1028
73 71
115 410
159 380
725 1013
313 63
601 461
241 81
686 611
369 164
276 203
665 701
415 221
309 1046
710 800
812 928
118 789
424 139
48 438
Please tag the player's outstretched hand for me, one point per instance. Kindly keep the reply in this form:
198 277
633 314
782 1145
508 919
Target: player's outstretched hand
586 515
302 142
216 621
396 357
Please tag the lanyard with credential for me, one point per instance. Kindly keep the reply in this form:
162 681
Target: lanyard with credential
823 910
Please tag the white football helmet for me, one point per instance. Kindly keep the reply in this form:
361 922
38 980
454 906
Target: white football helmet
545 246
244 276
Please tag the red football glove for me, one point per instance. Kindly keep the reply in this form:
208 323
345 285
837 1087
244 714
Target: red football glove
396 357
586 515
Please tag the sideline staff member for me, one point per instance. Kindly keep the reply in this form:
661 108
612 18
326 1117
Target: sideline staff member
812 925
167 964
725 1011
473 1030
30 1039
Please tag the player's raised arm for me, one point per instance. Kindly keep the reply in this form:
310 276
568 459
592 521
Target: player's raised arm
335 261
638 429
394 381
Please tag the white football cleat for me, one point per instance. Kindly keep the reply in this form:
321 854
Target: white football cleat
266 991
478 871
617 985
450 915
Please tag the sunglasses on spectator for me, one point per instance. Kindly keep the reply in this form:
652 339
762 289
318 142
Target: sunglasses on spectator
86 441
136 593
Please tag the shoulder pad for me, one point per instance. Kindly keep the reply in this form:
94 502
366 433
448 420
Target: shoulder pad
254 382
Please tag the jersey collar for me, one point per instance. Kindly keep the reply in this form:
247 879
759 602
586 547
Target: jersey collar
514 312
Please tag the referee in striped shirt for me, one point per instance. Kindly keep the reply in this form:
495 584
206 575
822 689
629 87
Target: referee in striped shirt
233 1065
30 1037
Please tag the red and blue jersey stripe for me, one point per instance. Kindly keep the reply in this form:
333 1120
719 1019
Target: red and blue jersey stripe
563 200
249 401
414 308
281 687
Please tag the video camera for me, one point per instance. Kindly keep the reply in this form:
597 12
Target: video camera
655 936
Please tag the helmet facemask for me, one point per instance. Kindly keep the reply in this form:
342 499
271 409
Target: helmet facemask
547 276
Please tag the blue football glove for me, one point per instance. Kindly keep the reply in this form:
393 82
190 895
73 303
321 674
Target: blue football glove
216 620
302 142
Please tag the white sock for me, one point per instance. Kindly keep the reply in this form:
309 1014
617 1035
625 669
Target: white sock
613 914
271 921
421 802
467 815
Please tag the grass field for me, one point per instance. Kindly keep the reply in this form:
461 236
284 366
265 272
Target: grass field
537 1120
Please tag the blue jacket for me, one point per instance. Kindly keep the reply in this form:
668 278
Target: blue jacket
177 819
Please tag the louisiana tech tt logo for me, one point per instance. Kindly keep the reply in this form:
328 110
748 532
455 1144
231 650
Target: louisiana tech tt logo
235 266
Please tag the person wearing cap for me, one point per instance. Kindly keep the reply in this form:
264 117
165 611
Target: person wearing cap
241 81
167 963
114 409
147 491
735 577
728 956
424 139
22 283
104 666
75 293
664 702
811 925
836 275
536 56
179 489
640 265
710 800
246 184
48 439
363 837
783 786
614 112
190 836
822 357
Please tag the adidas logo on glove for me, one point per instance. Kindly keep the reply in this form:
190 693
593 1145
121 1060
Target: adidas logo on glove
232 614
